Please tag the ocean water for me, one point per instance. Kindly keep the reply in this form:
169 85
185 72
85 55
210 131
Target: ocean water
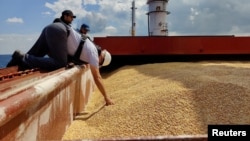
4 59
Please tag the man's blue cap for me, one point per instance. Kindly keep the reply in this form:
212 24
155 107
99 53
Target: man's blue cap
85 27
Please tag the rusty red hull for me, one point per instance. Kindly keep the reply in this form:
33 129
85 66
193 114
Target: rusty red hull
174 45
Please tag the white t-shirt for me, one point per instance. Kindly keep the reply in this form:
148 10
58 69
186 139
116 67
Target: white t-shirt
74 40
89 52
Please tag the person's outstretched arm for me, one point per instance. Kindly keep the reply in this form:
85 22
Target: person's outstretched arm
98 81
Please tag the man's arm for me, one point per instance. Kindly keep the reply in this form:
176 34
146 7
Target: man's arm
98 81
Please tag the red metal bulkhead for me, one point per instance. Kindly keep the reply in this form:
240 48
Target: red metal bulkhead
174 45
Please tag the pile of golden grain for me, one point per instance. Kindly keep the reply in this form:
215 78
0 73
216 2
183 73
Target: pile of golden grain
167 99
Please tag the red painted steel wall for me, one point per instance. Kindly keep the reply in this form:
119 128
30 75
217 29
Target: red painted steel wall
174 45
42 107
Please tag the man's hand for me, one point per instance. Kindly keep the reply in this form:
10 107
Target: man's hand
108 101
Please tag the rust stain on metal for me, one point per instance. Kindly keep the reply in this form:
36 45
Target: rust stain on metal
33 101
12 72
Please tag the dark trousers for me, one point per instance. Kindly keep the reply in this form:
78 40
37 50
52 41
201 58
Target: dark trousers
53 43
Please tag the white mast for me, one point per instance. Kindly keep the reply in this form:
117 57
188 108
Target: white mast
157 18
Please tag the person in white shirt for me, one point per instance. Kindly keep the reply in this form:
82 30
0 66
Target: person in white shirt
89 54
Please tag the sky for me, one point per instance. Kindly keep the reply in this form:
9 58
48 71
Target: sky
22 21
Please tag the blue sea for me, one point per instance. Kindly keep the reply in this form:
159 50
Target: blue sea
4 59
